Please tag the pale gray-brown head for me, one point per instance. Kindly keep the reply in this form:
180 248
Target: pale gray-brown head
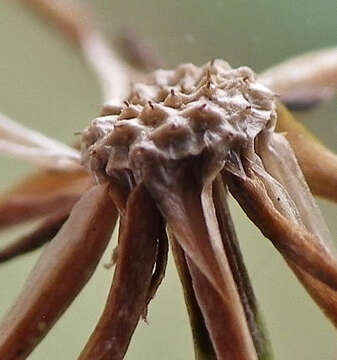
179 113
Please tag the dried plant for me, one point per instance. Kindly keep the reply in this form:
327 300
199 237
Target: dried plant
162 156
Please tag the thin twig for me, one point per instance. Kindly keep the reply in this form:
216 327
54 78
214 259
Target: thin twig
74 21
240 273
304 80
318 163
21 142
203 348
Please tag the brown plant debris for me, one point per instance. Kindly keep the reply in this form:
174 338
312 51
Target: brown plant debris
162 156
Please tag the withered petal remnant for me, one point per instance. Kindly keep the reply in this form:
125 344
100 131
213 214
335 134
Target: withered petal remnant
163 156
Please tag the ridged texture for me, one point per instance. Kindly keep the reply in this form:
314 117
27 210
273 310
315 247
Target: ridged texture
176 114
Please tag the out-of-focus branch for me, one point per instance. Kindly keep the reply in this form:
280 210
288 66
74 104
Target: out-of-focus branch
319 164
73 20
138 51
305 80
21 142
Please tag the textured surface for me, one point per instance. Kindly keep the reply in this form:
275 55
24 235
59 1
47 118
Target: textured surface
176 114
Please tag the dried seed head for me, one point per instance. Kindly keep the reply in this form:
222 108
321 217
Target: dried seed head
179 113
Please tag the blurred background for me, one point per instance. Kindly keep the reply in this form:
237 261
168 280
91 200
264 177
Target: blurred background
45 84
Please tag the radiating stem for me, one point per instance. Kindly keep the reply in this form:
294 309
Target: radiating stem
191 218
45 232
73 20
127 299
63 269
20 142
313 265
308 77
240 273
203 348
318 163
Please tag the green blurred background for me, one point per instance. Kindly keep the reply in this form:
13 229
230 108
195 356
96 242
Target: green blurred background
45 84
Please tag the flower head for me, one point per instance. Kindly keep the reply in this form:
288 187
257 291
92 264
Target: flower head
163 159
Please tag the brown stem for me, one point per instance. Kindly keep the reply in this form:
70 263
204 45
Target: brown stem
219 321
312 75
318 163
44 233
161 263
290 239
61 272
20 210
325 297
239 271
196 230
127 299
311 262
138 51
74 21
203 348
41 194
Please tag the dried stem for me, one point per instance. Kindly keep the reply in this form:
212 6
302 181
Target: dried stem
74 21
42 194
34 240
137 246
240 273
62 270
203 348
21 142
190 216
312 262
304 80
138 51
319 164
161 263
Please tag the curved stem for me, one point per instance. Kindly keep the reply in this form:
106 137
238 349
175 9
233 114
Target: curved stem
203 348
74 21
137 247
240 273
61 272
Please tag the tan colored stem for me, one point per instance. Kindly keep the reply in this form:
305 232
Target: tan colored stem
325 297
138 51
203 348
311 261
318 164
161 263
315 70
127 299
41 194
30 145
34 240
239 271
74 21
61 272
193 223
